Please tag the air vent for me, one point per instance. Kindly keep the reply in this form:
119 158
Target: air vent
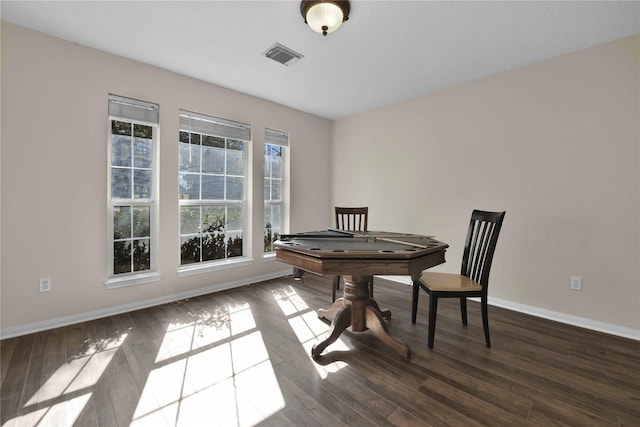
282 54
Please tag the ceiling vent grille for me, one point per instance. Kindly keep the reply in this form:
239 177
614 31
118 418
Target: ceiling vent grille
282 54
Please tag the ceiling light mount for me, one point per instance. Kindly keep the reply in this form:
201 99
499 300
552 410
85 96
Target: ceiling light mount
325 16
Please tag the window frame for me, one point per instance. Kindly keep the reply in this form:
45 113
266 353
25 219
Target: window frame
277 138
144 114
203 128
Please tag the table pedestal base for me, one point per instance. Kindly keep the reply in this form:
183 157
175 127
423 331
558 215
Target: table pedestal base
357 312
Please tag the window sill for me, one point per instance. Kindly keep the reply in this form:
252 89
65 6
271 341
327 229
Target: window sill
132 280
190 270
269 256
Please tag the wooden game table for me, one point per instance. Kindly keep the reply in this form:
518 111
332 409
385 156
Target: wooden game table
357 256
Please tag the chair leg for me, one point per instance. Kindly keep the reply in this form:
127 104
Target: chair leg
433 308
335 287
463 310
414 302
485 320
297 273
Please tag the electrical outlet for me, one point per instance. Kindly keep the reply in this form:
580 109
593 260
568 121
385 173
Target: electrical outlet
45 284
576 283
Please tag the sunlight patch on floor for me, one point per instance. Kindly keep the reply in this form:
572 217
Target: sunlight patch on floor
213 372
78 373
309 329
60 414
183 337
289 301
53 403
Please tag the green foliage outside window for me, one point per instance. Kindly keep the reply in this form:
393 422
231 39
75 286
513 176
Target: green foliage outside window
212 242
132 243
269 237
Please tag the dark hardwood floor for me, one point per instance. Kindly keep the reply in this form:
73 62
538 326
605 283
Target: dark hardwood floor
241 357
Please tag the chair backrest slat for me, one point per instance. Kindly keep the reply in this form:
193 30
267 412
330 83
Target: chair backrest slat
354 219
480 245
474 228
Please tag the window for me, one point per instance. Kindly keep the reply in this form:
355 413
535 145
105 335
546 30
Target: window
132 209
212 186
275 149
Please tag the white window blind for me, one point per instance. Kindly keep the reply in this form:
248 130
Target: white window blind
216 126
133 109
275 137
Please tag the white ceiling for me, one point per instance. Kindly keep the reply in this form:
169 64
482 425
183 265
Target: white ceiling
386 52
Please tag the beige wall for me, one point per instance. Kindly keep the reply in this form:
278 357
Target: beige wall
54 176
555 144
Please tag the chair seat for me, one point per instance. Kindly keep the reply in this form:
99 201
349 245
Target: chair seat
446 282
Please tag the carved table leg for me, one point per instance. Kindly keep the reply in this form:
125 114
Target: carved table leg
386 314
375 322
330 313
357 312
340 322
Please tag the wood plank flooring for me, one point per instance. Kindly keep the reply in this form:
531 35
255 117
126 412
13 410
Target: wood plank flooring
241 357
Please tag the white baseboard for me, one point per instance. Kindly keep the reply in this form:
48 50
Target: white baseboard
112 311
581 322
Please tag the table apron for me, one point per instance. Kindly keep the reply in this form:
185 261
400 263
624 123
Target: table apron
368 267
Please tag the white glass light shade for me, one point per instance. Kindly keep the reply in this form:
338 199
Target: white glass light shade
326 15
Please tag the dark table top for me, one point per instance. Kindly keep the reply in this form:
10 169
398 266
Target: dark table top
360 244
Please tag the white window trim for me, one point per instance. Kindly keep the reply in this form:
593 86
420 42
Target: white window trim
214 265
269 256
276 137
133 279
233 130
152 275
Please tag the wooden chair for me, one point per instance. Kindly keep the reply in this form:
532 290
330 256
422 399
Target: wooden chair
352 219
473 280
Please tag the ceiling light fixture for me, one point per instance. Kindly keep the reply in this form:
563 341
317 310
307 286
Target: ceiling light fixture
325 16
